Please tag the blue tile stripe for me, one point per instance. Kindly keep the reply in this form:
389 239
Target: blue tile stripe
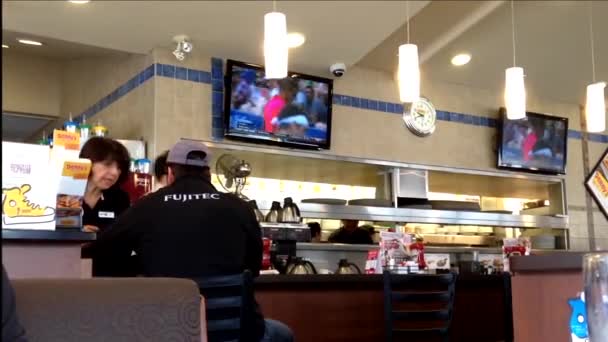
216 79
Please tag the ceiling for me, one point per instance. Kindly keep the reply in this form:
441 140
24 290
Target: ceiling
552 37
552 45
336 31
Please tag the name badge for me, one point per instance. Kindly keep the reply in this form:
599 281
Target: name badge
106 214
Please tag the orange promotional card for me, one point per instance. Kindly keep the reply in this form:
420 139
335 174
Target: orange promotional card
68 140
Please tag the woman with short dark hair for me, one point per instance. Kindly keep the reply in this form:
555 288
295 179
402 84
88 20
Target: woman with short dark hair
104 201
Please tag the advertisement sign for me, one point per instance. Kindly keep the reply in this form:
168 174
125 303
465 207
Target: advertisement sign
597 183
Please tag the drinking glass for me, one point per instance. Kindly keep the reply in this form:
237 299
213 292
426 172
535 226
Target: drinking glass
595 273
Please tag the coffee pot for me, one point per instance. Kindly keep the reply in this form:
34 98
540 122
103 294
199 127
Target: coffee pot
301 266
290 212
345 267
258 214
274 213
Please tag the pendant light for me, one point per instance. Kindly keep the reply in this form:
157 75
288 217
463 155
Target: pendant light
275 44
408 76
515 90
595 107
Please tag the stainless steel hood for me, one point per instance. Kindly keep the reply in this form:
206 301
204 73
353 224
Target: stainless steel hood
379 214
19 127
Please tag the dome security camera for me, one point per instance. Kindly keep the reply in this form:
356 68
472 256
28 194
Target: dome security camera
338 69
187 46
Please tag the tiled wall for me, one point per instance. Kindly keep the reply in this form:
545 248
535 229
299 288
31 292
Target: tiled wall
30 84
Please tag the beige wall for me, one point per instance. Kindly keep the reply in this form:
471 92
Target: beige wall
30 84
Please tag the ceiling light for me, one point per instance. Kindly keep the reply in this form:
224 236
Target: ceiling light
408 73
295 39
275 45
29 42
595 106
79 2
461 59
515 90
4 46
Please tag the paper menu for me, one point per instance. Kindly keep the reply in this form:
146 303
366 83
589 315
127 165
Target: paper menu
72 186
28 187
437 260
67 140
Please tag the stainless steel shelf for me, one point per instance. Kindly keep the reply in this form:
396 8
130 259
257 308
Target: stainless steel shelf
340 247
379 214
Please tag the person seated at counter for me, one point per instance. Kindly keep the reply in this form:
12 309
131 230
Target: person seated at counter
188 229
160 171
351 233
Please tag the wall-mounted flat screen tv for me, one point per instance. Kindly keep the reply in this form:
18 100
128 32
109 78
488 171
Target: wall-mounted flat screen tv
294 111
537 143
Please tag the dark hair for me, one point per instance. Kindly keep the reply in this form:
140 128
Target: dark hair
160 165
288 84
180 171
100 149
315 229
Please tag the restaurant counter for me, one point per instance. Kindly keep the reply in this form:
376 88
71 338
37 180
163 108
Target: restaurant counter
28 253
541 287
351 308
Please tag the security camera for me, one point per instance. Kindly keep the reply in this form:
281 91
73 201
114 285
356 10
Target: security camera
187 47
179 55
183 47
338 69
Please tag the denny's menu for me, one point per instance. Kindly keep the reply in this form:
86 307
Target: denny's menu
597 183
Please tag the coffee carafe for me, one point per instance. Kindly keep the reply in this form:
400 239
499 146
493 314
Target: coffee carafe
345 267
290 212
275 213
258 214
301 266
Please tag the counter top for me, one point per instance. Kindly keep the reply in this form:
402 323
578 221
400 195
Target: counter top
548 262
56 235
325 246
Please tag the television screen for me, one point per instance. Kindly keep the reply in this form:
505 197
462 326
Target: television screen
294 111
537 143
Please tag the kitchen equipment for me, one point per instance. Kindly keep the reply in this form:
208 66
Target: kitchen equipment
70 125
235 172
274 213
258 214
301 266
331 201
290 212
371 202
99 130
595 275
345 267
84 129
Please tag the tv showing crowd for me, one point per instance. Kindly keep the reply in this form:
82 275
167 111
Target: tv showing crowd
536 143
295 108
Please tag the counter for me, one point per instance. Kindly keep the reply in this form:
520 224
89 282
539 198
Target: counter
541 287
28 253
350 307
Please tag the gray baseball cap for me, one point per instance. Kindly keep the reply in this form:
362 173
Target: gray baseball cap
180 151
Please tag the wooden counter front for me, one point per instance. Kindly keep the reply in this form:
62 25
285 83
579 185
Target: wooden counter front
350 307
541 287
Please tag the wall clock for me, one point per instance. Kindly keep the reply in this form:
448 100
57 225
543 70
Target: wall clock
420 117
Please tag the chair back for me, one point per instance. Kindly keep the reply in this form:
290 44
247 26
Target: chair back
229 305
418 307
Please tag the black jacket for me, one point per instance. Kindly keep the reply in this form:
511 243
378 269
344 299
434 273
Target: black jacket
12 330
185 230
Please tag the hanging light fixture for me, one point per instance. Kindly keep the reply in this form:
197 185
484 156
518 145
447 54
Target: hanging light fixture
515 90
408 74
595 106
275 44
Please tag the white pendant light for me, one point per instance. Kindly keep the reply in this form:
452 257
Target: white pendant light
408 74
595 106
515 90
275 44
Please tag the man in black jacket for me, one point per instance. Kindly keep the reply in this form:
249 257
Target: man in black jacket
188 230
12 331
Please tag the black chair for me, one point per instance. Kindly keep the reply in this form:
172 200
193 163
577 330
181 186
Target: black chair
418 307
229 306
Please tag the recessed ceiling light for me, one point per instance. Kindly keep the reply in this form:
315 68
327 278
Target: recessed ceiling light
5 46
461 59
79 2
29 42
295 39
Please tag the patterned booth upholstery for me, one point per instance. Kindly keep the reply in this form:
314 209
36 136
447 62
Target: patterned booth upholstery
110 309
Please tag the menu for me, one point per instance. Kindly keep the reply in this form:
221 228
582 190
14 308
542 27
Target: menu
597 183
28 197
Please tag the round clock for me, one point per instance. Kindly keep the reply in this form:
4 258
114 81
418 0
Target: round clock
420 117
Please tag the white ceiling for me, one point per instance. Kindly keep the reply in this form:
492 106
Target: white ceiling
336 31
552 44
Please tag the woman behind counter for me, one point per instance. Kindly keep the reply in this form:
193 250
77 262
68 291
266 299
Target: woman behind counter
104 201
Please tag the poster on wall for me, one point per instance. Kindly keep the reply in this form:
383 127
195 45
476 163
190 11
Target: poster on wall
597 183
